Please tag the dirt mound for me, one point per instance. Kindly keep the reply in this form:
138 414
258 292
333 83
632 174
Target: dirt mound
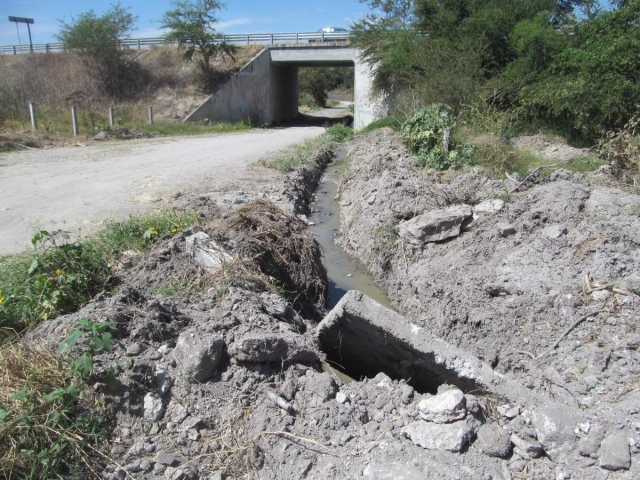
542 284
280 246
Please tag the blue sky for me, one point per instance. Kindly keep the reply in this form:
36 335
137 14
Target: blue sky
240 16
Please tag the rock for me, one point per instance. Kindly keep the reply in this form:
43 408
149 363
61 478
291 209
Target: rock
505 229
165 458
601 295
528 448
591 443
508 411
177 412
341 398
493 440
198 355
163 382
444 408
489 206
153 407
554 231
274 348
435 226
205 252
133 350
614 453
371 200
102 135
435 436
554 426
320 388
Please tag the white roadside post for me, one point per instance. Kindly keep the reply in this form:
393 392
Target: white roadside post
150 114
74 121
32 113
112 121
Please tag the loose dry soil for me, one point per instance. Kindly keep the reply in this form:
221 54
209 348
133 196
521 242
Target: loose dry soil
227 380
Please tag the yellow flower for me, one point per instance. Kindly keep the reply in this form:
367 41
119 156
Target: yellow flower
58 271
1 300
174 230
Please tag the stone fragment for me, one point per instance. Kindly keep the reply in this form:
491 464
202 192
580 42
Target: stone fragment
444 408
435 436
590 443
614 453
177 412
489 206
505 229
341 397
320 388
371 200
165 458
435 226
205 252
527 448
508 411
133 350
153 407
163 382
198 355
274 348
554 231
493 440
555 429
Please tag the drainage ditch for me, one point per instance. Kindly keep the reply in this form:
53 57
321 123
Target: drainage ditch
345 272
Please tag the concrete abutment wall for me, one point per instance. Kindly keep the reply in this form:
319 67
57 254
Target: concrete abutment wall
266 90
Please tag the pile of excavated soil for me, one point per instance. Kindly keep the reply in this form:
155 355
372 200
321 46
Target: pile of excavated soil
504 275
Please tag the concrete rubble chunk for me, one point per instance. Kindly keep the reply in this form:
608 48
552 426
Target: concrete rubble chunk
205 252
591 443
270 348
527 447
614 452
489 206
153 407
493 440
358 325
446 407
436 225
555 429
452 437
506 229
198 355
165 458
555 231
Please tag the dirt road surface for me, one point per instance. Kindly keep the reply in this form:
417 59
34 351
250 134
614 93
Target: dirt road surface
76 188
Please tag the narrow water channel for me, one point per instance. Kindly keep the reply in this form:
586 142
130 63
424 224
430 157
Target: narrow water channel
345 272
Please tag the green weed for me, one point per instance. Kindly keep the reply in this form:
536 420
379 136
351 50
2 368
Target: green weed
385 122
339 133
59 275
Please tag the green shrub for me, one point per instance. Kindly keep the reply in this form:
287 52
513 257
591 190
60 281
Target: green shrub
621 149
428 134
339 133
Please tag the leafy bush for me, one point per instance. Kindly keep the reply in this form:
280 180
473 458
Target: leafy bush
339 133
428 134
621 149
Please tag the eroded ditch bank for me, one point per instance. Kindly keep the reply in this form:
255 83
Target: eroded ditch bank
226 381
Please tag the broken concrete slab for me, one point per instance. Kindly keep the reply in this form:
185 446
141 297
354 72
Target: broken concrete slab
493 440
436 225
555 428
358 326
205 252
614 452
488 206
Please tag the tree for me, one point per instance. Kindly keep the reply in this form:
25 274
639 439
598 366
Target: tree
96 39
190 24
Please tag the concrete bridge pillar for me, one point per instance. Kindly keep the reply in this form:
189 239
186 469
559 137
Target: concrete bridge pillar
266 90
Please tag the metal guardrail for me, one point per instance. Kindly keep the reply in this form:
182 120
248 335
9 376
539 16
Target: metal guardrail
236 39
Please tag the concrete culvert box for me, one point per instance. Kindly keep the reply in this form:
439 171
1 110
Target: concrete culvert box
366 338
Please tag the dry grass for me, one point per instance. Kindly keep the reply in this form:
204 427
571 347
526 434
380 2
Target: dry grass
280 247
42 433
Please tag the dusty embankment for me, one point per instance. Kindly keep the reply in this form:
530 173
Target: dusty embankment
504 276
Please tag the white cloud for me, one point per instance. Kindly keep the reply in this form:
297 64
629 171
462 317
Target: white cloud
221 26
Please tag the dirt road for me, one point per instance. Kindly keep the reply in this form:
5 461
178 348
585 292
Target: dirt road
76 188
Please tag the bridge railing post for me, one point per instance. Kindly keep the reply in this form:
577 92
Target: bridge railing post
247 39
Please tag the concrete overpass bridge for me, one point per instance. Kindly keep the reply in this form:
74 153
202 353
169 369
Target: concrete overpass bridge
266 89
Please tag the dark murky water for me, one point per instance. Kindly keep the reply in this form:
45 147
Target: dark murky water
345 272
